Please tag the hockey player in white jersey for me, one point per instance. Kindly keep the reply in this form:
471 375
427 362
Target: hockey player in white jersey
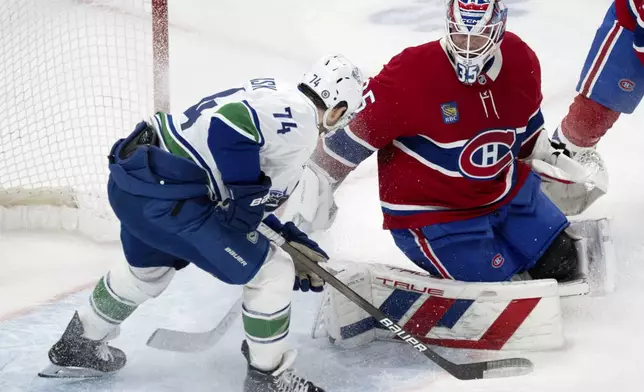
193 188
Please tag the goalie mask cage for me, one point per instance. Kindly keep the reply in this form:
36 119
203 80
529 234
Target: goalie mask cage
75 75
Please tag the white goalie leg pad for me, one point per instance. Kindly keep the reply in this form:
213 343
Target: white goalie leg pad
118 294
311 206
596 251
267 309
524 315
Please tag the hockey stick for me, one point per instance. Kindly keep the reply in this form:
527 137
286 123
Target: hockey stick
471 371
188 342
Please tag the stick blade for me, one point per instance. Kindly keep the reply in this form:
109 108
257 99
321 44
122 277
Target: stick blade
511 367
179 341
191 342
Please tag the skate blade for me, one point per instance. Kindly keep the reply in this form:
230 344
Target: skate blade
55 371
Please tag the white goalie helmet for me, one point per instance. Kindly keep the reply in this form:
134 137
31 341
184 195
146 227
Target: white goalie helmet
335 80
474 32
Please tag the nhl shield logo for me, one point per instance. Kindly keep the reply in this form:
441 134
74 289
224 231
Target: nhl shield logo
449 111
252 237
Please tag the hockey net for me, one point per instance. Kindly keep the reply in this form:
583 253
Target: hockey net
75 75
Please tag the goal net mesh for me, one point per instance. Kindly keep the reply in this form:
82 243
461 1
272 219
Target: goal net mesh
74 77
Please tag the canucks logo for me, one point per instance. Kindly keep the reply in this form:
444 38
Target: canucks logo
450 112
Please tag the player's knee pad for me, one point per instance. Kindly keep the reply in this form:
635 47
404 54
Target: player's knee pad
137 285
560 260
271 289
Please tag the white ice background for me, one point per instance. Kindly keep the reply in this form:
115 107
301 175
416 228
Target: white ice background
214 45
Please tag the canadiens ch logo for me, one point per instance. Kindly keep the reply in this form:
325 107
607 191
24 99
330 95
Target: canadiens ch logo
498 261
627 85
450 112
485 156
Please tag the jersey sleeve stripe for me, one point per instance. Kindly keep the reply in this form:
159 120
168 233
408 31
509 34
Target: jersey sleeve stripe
213 175
343 145
255 117
168 141
238 117
329 152
535 123
358 140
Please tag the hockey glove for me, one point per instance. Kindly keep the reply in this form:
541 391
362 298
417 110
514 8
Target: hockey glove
305 280
244 210
573 184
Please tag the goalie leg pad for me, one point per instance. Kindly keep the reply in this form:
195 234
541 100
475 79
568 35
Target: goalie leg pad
267 309
490 316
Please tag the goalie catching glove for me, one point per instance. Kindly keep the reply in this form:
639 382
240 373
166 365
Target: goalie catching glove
573 184
304 279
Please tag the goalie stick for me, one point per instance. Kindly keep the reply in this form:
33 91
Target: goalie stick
470 371
166 339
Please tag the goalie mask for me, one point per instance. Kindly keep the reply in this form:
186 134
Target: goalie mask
335 81
474 31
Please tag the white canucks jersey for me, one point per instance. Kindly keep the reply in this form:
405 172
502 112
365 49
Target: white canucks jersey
236 133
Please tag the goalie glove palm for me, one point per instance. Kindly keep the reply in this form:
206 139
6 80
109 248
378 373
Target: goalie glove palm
305 280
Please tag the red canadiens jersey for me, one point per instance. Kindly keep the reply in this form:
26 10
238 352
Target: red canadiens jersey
630 14
446 151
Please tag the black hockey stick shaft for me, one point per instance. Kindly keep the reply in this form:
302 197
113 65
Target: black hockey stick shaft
471 371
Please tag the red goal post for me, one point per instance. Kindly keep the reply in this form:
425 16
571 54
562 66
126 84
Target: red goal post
75 75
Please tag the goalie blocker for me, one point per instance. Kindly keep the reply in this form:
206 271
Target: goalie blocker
522 314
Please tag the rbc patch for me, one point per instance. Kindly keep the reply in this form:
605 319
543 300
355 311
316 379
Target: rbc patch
449 111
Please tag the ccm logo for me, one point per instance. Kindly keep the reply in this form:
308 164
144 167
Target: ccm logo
260 200
411 287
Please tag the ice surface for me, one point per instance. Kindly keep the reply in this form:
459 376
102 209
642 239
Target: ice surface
218 43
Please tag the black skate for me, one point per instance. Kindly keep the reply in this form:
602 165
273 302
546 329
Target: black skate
74 356
280 380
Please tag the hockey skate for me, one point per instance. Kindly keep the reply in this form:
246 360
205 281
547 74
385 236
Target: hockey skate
280 380
74 356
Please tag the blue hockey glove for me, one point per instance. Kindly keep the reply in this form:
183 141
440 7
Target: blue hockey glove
305 280
244 210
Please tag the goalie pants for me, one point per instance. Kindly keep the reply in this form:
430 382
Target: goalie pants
163 230
490 248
